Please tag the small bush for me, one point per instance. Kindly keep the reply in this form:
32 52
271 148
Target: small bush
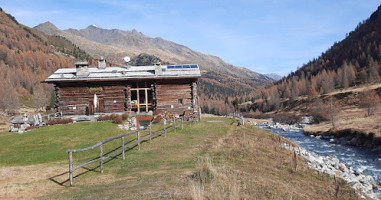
105 118
113 116
117 119
124 116
59 121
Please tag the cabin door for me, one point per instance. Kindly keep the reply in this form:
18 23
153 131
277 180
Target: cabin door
96 105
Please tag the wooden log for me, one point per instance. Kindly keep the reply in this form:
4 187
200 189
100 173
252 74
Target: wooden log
150 132
101 157
123 149
70 154
174 124
138 140
165 132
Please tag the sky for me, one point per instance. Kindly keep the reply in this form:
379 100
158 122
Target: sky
263 35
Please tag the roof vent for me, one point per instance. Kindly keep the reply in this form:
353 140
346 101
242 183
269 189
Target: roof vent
102 63
82 68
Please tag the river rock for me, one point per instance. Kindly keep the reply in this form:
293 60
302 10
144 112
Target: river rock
332 166
343 168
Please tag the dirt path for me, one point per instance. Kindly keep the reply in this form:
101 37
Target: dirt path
30 182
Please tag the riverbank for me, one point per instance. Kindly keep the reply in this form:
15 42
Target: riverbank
326 162
352 127
365 184
350 137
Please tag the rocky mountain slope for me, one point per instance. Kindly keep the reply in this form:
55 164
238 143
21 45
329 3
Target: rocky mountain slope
220 81
274 76
117 43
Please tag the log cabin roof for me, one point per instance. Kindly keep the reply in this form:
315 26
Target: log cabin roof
126 73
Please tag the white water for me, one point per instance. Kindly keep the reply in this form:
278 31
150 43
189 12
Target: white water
356 157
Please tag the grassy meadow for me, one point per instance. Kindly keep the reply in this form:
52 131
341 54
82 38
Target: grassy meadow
212 159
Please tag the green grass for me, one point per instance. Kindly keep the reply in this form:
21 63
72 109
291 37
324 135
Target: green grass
157 165
50 143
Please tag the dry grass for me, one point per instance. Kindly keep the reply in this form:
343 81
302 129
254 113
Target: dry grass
352 118
28 182
4 123
361 88
249 164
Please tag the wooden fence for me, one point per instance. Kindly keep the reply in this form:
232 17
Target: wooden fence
239 116
103 156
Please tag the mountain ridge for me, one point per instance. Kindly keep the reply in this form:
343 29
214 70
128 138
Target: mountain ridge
220 82
134 42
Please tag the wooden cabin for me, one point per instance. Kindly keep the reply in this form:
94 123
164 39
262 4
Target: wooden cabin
88 91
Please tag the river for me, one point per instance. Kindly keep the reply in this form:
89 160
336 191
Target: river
356 157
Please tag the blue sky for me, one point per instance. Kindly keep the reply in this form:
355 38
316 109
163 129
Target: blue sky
262 35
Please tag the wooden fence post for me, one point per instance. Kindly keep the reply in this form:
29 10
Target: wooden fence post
165 132
123 153
174 124
70 153
182 120
101 156
150 132
138 140
190 121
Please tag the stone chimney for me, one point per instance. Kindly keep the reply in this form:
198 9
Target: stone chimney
82 68
102 63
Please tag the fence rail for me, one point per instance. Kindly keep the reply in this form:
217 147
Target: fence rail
239 116
137 143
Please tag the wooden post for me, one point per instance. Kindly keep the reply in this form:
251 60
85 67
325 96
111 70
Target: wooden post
138 140
101 156
165 132
150 132
70 167
174 124
190 121
182 120
123 153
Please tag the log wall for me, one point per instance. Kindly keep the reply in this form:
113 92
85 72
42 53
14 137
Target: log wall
74 98
168 96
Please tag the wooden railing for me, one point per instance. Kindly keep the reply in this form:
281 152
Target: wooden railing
102 156
239 116
55 114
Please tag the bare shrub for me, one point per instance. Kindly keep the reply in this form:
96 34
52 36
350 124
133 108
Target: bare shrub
125 116
117 119
105 118
59 121
369 100
318 112
332 110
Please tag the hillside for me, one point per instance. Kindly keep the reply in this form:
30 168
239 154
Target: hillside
212 159
354 61
220 80
27 56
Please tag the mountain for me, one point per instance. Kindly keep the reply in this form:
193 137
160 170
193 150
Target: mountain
274 76
354 61
27 56
220 80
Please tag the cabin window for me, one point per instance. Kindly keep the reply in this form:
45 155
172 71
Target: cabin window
141 97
